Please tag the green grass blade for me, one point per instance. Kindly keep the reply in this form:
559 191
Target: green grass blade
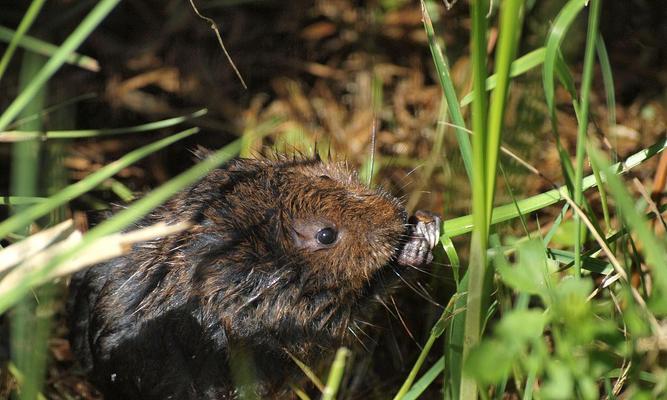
510 23
520 66
454 343
433 160
312 376
26 156
26 217
509 190
119 189
20 378
425 381
39 46
450 93
603 198
553 63
244 373
587 78
13 136
437 331
370 166
453 257
20 200
556 35
478 271
565 76
90 22
597 265
336 374
589 263
31 323
24 25
607 79
51 109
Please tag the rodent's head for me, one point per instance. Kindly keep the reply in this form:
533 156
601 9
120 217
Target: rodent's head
303 214
345 231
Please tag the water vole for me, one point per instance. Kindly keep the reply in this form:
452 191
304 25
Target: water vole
283 257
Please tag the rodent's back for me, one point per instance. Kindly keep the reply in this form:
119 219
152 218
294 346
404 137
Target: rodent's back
282 257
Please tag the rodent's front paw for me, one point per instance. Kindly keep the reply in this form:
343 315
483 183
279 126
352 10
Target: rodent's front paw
423 236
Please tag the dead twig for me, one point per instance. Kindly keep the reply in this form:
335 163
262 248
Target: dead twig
214 26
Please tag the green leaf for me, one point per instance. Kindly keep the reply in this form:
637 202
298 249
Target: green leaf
520 326
560 385
531 273
570 306
488 353
565 234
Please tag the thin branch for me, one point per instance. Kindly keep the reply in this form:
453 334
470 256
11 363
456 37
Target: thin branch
214 26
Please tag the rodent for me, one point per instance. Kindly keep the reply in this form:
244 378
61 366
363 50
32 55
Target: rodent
284 255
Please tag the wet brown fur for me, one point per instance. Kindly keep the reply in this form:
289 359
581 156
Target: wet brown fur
163 321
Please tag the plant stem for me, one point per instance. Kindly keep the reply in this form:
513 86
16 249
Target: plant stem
477 269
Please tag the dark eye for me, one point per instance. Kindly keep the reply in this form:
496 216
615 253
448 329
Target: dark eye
326 236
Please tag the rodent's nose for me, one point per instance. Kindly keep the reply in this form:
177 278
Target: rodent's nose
404 216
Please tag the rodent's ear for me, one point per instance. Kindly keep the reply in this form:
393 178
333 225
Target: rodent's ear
201 152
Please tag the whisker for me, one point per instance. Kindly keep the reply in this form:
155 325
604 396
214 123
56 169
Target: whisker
406 184
413 170
361 342
441 264
379 300
423 271
400 318
423 288
375 343
360 321
394 340
427 298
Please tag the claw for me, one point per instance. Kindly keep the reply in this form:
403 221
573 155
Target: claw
423 238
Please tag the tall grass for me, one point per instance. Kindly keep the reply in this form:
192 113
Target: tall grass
517 351
30 298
